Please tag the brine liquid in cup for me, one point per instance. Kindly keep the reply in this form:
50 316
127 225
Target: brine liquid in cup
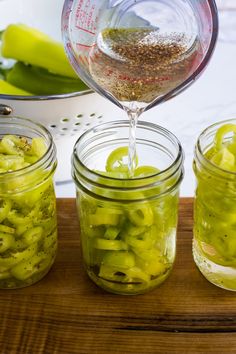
138 65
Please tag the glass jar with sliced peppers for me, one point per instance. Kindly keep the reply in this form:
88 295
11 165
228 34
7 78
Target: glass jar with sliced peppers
214 244
28 226
127 224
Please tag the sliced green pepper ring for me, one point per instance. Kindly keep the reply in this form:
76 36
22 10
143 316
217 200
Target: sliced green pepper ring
26 269
105 216
144 171
121 259
33 235
2 151
19 245
112 245
11 162
112 232
6 241
38 147
144 241
137 274
224 159
7 229
148 255
5 275
16 257
115 160
31 159
135 230
99 219
5 208
221 132
141 216
21 229
151 261
17 218
11 145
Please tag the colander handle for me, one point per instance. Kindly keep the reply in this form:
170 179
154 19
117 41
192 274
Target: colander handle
5 110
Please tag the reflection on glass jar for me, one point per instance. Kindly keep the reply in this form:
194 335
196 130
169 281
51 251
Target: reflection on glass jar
28 226
128 225
214 243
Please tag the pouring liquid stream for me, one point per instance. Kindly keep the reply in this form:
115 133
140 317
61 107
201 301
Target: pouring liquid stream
138 65
133 121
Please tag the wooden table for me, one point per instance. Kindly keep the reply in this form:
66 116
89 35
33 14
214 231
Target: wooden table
66 313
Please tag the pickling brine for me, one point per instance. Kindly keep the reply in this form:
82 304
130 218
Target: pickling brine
128 225
214 244
28 226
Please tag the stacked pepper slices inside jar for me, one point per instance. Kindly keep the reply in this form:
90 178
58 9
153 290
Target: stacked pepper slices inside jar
215 210
28 236
128 247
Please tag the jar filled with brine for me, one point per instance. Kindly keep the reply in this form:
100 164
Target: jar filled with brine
214 243
128 220
28 226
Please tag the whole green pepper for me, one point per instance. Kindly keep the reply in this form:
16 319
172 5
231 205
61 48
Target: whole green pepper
31 46
8 89
40 81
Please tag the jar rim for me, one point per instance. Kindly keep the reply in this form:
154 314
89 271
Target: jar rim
137 183
49 155
140 124
199 153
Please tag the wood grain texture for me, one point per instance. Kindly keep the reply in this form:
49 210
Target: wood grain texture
65 313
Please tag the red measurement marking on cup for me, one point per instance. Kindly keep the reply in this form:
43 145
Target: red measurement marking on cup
86 16
83 60
85 45
69 46
85 30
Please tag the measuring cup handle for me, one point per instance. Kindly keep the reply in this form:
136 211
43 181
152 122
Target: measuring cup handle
5 110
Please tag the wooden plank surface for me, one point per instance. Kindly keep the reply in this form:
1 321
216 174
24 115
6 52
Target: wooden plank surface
66 313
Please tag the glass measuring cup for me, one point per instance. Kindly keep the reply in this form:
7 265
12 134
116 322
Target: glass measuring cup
88 27
139 53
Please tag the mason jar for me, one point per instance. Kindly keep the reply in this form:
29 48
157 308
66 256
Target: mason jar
214 241
127 225
28 225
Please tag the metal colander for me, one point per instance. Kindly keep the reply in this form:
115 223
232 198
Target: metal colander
65 117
